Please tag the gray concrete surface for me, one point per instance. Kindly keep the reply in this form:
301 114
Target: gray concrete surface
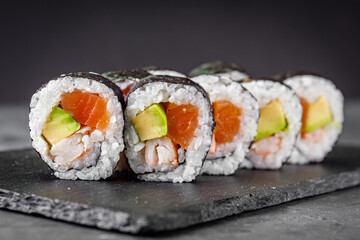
330 216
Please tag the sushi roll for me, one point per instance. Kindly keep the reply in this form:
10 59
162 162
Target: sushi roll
230 70
279 123
76 125
126 79
161 71
322 118
236 113
168 129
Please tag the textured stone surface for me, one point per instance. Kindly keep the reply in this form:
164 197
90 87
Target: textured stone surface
125 204
334 215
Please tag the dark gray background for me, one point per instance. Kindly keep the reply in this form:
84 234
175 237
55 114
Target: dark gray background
40 40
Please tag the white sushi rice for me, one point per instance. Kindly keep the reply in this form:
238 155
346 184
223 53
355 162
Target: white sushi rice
124 84
310 87
266 91
101 161
192 158
171 73
228 156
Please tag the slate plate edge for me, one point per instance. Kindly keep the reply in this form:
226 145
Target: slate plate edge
201 213
198 213
82 214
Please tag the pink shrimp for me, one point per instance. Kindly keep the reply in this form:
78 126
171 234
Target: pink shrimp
69 151
267 146
160 151
213 145
314 136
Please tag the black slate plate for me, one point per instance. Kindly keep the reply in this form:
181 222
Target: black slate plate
126 204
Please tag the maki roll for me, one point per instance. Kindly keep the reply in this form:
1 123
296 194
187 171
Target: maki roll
236 113
230 70
322 118
76 125
279 123
126 79
168 129
161 71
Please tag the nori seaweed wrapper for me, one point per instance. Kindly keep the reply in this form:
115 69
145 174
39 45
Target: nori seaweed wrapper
217 67
153 67
122 75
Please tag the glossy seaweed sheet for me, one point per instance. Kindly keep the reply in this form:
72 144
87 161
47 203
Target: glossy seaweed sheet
126 204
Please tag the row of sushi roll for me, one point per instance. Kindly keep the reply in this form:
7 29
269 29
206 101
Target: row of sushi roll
166 126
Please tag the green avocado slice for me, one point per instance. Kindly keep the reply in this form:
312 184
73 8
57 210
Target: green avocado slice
151 123
316 115
59 125
272 120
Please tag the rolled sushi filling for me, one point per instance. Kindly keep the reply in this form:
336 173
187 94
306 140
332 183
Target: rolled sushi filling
272 124
227 117
279 123
315 117
75 129
322 117
166 129
236 113
319 127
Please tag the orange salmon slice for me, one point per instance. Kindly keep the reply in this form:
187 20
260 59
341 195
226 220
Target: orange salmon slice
89 109
182 122
227 119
